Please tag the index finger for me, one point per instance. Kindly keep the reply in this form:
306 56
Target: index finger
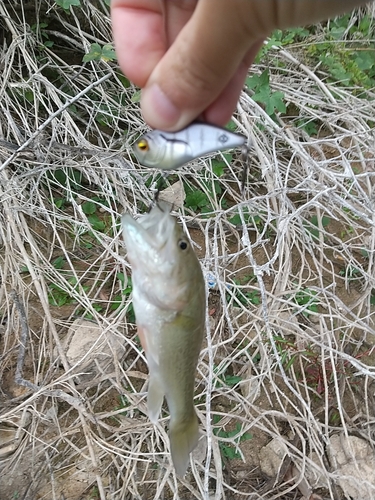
139 35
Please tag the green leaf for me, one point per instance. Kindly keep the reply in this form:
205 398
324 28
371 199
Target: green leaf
94 54
365 59
235 220
275 102
59 262
232 380
89 207
96 223
136 97
66 4
257 82
59 202
229 452
337 33
218 167
108 53
97 53
196 199
324 221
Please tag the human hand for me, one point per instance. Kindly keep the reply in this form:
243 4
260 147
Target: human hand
191 57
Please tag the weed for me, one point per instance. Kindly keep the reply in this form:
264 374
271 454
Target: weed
284 348
98 53
238 294
201 200
346 54
228 451
40 29
313 227
59 296
306 298
250 219
66 4
125 404
272 101
280 38
118 300
351 273
309 126
94 493
224 379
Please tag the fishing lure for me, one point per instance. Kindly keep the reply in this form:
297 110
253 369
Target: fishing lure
171 150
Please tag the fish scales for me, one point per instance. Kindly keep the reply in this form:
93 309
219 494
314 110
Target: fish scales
169 302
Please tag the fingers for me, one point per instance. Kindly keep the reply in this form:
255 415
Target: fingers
191 56
200 64
138 32
221 110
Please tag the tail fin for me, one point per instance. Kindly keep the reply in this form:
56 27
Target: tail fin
183 438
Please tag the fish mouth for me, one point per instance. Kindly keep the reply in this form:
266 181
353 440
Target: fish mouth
150 232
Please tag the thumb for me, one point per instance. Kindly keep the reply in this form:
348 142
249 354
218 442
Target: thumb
198 66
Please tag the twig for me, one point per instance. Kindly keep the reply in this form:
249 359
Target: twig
57 393
52 117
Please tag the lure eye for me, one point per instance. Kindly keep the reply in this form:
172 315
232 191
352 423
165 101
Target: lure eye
143 145
183 245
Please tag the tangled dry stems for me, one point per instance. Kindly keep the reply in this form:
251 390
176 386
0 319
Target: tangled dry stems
95 430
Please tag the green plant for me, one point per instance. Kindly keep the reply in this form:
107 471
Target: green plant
60 296
272 101
306 298
346 54
94 493
225 379
40 28
229 451
201 200
239 294
308 125
118 300
280 38
284 348
98 53
249 217
351 273
313 227
66 4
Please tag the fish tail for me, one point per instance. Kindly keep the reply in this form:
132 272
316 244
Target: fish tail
183 438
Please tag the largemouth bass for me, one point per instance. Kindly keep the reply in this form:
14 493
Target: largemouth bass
170 150
169 303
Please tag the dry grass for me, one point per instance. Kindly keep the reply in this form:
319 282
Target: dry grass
275 365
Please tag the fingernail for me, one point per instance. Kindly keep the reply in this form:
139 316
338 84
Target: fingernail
157 109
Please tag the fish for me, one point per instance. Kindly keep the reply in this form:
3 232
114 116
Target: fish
169 301
171 150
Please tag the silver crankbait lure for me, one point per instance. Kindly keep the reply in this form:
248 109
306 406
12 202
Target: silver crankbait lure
170 150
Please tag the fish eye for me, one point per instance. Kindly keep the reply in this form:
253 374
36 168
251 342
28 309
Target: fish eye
143 145
183 244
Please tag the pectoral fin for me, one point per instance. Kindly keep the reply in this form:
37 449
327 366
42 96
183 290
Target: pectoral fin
183 438
155 397
155 393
